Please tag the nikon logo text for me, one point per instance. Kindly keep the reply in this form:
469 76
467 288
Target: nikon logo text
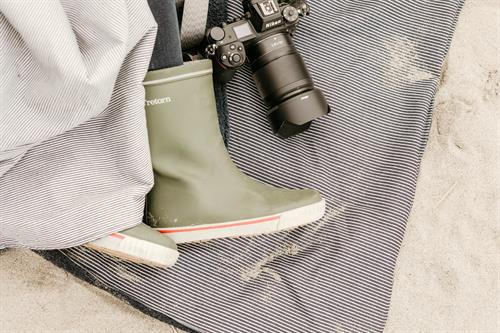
273 24
158 101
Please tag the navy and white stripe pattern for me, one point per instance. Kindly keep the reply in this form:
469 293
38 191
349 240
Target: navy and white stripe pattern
74 155
378 63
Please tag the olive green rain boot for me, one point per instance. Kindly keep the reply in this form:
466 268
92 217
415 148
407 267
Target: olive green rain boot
199 194
140 244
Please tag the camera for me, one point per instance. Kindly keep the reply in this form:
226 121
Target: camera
263 37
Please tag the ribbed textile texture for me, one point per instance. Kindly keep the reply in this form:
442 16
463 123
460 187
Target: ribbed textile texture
217 14
378 63
193 23
74 154
167 51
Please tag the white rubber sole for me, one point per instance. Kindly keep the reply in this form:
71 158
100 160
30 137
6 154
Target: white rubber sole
251 227
135 250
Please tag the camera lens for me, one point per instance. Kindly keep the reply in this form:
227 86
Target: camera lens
285 84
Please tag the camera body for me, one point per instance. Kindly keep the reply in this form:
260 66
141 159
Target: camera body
226 44
263 37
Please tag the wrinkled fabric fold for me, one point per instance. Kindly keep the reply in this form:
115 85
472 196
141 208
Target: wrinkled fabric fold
74 158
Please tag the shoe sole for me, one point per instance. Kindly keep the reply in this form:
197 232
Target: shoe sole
251 227
135 250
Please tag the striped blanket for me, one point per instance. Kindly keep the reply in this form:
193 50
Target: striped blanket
379 64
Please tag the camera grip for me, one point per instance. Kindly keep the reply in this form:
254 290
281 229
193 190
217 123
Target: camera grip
222 75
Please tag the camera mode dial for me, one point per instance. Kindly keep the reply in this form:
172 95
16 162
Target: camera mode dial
216 34
290 14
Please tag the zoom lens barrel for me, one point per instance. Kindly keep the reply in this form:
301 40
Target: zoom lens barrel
285 84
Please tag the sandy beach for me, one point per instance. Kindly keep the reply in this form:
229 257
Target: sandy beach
448 272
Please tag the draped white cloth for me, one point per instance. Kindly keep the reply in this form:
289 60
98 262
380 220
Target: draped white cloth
74 156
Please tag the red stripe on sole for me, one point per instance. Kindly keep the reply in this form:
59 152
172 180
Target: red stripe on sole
228 225
117 236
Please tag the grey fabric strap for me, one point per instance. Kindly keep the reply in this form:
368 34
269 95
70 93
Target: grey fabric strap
193 22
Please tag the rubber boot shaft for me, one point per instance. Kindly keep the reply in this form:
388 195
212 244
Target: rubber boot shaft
196 181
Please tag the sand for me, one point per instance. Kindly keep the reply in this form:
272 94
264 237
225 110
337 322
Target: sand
447 276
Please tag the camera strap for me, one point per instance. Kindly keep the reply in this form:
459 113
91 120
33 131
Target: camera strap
193 21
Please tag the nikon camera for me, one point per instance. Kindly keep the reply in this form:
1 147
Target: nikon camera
263 37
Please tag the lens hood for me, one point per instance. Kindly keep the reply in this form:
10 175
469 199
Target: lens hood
295 115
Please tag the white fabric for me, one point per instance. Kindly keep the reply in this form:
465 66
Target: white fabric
74 156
